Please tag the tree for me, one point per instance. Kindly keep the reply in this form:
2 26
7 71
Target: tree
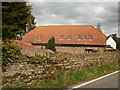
10 53
99 27
31 24
117 40
51 44
114 36
16 18
118 44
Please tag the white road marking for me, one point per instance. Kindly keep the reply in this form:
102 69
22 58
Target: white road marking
78 86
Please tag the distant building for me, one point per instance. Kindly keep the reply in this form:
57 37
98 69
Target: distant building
68 38
111 42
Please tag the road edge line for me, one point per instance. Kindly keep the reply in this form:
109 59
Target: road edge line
78 86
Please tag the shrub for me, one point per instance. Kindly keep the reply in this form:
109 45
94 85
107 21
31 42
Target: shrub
51 44
109 50
37 59
10 52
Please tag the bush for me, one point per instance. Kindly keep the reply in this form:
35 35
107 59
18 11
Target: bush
51 44
109 50
10 52
37 59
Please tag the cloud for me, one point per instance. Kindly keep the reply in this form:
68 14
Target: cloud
56 13
74 0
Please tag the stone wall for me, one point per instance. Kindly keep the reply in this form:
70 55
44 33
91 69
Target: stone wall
33 52
56 66
78 49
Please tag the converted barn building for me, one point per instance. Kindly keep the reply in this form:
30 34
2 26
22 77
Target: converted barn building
68 38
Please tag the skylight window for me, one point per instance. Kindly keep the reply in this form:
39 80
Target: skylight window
90 37
40 38
79 37
85 37
69 37
61 38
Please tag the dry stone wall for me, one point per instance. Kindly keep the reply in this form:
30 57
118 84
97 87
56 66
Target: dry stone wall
34 73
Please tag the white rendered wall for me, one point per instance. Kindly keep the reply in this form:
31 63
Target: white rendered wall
111 42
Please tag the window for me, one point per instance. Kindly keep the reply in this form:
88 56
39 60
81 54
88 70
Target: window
85 37
79 37
90 37
69 37
40 38
61 38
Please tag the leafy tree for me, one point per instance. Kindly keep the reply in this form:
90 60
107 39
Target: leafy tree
10 52
31 24
118 44
16 18
51 44
117 40
114 36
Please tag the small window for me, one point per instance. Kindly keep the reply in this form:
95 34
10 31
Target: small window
90 37
69 37
40 38
79 37
61 38
85 37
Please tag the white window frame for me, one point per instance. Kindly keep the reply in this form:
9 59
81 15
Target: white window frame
79 37
40 38
61 37
90 37
69 37
84 37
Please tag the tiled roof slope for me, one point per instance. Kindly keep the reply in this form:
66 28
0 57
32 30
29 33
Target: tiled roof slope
74 30
25 45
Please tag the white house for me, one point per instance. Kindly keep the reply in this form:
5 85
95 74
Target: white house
111 42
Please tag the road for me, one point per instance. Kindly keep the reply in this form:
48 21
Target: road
107 81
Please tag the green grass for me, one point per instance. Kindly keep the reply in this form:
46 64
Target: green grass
74 77
16 86
79 76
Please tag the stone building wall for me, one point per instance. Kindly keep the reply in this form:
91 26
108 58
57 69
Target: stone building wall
78 49
54 67
73 50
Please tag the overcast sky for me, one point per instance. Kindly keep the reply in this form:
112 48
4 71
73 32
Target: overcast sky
77 13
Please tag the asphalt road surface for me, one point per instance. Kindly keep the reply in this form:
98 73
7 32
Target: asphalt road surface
107 82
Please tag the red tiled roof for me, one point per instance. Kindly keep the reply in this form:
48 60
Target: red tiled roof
25 45
74 30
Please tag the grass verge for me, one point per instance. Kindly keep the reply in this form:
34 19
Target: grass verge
73 77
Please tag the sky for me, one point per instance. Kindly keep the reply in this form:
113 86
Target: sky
67 12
